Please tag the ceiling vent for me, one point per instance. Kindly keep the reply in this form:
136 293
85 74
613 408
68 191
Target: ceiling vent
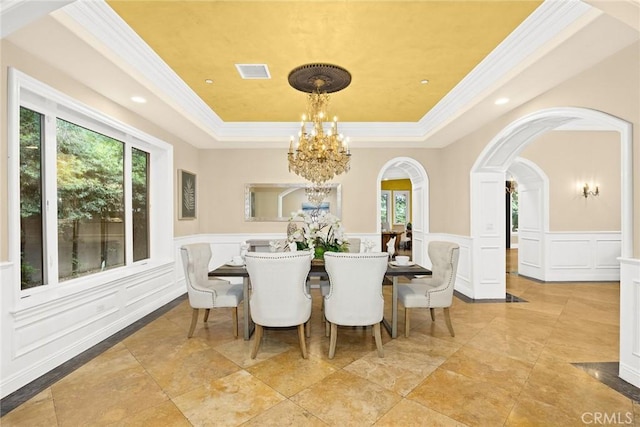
253 71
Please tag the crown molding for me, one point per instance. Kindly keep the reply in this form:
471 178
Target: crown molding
114 38
543 25
125 45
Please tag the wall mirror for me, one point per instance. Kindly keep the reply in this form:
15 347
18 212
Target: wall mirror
275 202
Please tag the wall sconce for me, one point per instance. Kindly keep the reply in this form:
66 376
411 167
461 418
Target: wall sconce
586 192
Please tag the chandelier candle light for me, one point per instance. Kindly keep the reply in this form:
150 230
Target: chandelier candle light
321 151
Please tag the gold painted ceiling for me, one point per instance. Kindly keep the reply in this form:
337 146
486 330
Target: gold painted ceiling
388 46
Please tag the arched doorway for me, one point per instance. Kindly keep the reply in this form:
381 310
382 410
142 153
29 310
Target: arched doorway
414 170
487 183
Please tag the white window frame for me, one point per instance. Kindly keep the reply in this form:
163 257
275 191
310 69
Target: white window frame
393 202
389 205
28 92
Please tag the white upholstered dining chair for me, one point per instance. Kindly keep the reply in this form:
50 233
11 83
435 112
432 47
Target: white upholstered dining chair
204 292
355 294
279 295
435 291
354 247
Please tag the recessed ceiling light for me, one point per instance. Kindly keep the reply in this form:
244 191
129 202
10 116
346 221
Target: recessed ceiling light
501 101
138 99
208 81
424 81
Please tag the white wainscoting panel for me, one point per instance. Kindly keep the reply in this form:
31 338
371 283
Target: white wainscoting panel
142 289
569 254
490 272
588 256
34 331
39 337
492 221
630 321
607 254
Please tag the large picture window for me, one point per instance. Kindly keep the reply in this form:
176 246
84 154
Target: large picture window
85 179
90 193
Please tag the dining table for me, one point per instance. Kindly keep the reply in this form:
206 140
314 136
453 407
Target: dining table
394 272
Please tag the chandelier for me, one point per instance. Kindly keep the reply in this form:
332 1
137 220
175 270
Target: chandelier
321 151
316 193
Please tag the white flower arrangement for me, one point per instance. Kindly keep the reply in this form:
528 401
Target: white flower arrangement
319 233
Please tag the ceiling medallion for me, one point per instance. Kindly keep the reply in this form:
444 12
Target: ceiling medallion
321 151
309 77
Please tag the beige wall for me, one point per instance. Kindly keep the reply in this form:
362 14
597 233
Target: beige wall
570 159
225 172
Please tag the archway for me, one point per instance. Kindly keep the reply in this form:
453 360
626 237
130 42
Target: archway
419 201
487 183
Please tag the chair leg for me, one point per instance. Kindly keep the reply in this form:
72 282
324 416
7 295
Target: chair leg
326 327
194 320
407 325
433 314
256 343
447 319
206 314
234 315
376 334
303 344
378 337
333 340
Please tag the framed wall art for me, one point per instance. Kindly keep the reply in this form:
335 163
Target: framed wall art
187 195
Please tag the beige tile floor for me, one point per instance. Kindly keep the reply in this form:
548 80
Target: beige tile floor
509 364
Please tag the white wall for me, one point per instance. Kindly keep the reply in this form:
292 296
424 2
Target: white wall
630 321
